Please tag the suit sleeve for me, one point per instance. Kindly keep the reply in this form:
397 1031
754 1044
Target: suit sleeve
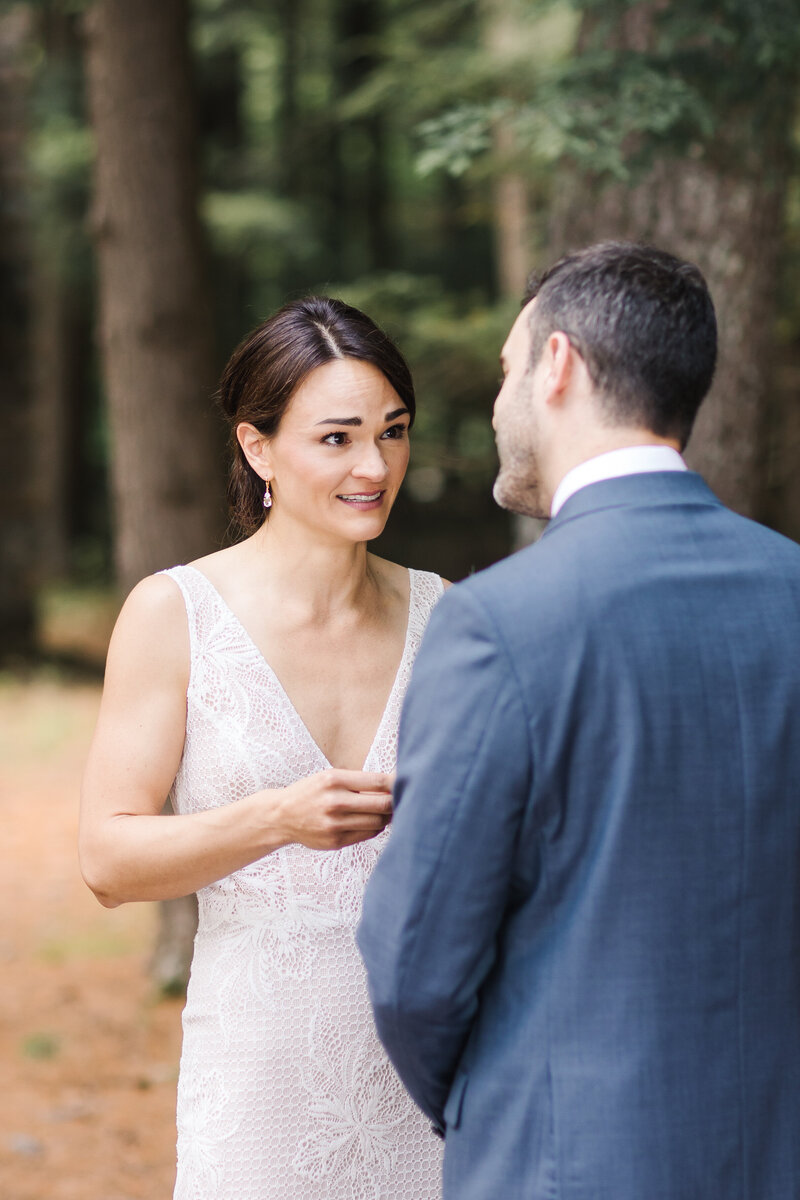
435 902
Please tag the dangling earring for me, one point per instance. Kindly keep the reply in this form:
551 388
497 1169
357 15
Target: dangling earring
267 496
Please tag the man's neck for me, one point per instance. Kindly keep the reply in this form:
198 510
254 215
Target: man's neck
609 462
593 443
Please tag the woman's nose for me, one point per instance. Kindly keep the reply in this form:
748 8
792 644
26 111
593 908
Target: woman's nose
371 464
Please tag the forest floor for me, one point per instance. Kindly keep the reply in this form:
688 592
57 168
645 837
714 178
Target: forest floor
88 1052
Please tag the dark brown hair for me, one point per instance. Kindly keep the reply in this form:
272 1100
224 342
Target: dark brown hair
266 369
642 321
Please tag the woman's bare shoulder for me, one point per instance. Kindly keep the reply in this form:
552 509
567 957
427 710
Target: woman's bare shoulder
218 565
394 573
391 574
154 598
151 631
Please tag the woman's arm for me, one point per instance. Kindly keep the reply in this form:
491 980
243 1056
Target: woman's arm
128 849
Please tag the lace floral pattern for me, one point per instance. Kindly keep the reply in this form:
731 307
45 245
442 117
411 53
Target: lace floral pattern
355 1124
208 1123
285 1092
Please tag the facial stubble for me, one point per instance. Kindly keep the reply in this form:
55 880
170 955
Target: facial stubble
518 485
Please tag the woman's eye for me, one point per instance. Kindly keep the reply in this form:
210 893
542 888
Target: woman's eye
335 439
395 431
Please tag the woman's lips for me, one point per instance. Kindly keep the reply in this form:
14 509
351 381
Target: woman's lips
363 500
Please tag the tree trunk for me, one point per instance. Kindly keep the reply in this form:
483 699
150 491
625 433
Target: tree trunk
722 208
511 222
290 14
781 499
17 446
510 205
61 347
509 185
361 141
155 314
730 225
156 334
68 478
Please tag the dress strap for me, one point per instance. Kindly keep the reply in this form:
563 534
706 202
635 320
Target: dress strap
426 591
192 586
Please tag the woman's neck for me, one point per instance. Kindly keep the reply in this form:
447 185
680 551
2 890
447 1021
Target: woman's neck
315 576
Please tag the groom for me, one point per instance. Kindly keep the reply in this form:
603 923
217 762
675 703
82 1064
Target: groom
583 938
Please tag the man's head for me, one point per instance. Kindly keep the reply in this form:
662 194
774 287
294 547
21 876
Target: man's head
616 346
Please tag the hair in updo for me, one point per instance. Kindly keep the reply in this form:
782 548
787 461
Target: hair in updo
266 369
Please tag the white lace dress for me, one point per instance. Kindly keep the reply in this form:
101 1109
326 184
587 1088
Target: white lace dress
285 1092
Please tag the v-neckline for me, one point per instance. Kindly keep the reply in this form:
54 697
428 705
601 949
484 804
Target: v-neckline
282 690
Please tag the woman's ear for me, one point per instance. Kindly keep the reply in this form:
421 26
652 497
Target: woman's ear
255 448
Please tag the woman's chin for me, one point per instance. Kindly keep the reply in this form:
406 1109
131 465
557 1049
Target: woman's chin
364 525
376 511
367 531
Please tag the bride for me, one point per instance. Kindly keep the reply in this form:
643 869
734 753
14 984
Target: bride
261 687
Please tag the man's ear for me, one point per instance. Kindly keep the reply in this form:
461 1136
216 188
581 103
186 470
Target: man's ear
255 448
558 356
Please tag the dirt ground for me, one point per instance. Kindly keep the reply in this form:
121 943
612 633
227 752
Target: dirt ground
88 1054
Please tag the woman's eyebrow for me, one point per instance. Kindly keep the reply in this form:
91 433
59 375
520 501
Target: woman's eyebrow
398 412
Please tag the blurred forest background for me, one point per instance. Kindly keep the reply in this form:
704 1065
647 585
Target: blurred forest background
173 170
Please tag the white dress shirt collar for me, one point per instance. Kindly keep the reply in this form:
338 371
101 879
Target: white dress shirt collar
630 460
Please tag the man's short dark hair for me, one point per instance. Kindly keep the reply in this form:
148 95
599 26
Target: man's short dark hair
642 321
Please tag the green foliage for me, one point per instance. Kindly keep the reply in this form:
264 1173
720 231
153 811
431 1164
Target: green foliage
359 144
453 140
642 110
41 1046
60 151
452 345
674 83
254 226
763 35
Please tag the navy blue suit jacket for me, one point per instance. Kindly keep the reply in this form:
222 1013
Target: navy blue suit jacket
583 937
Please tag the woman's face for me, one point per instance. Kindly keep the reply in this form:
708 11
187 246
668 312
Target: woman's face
340 453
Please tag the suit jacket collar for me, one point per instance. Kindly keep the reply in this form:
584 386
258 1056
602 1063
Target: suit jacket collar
650 489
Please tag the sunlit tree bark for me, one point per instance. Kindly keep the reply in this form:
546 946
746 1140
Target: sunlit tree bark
509 184
510 200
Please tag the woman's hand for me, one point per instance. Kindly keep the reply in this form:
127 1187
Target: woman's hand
331 809
129 851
